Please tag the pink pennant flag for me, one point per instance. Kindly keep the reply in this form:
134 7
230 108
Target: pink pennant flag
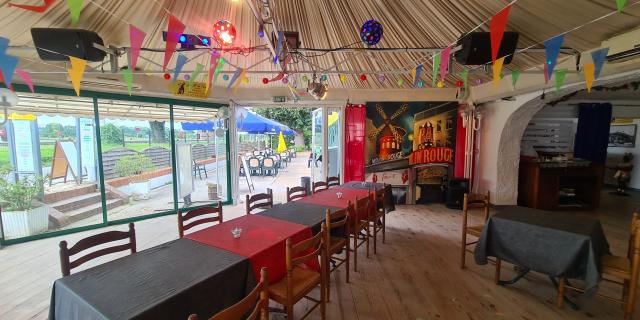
174 30
136 37
444 62
212 67
26 77
284 69
496 28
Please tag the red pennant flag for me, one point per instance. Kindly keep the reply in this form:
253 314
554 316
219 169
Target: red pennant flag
136 36
496 28
41 8
174 30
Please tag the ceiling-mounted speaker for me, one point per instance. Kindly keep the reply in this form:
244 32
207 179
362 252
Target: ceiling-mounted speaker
57 44
476 48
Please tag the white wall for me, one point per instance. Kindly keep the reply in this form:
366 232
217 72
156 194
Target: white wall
614 154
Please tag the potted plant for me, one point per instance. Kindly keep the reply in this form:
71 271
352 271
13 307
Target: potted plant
22 215
134 167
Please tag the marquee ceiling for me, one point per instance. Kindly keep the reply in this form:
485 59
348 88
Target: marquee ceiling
326 24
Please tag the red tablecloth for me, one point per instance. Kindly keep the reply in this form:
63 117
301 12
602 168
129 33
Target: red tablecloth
330 197
262 241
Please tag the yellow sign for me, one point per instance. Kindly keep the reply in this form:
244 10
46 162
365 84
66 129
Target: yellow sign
622 121
181 88
15 116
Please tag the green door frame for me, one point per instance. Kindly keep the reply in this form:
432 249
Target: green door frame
95 95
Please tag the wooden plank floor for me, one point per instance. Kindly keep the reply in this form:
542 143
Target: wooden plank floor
414 276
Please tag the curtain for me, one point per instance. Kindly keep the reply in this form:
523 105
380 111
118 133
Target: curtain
355 120
592 136
461 135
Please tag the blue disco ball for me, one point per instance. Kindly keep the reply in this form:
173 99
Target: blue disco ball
371 32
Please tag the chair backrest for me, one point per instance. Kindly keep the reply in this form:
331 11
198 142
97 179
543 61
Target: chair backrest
363 208
333 181
66 265
268 163
296 193
477 201
379 199
259 200
284 155
301 252
338 220
189 218
255 304
635 218
256 152
319 186
254 162
634 250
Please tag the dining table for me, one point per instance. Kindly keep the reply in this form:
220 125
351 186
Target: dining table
374 186
304 213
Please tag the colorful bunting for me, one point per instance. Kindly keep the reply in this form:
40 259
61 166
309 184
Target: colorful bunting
174 30
465 78
127 75
589 70
515 74
552 50
496 28
497 71
136 37
213 64
560 76
444 62
436 67
180 61
221 63
41 8
278 46
235 77
598 57
415 73
26 77
77 72
194 75
282 73
241 79
75 7
620 4
8 63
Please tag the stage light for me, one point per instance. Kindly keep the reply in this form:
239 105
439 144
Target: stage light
205 41
261 31
183 38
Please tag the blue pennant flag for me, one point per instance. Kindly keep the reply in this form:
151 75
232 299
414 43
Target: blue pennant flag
416 77
552 50
8 63
234 78
180 61
598 57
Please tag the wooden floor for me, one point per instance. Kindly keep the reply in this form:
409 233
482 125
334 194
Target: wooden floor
414 276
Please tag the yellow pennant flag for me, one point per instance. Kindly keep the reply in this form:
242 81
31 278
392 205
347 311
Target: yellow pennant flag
243 73
282 146
497 70
77 72
589 75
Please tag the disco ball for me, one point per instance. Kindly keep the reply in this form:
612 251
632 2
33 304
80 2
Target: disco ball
224 32
371 32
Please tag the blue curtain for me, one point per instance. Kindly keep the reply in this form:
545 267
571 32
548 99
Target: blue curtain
592 136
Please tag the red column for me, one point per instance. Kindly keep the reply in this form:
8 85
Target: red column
461 134
354 135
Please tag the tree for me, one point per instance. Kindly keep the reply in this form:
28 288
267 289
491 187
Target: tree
157 131
111 134
298 119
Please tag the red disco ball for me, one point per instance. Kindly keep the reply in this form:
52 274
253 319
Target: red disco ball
224 32
265 80
363 77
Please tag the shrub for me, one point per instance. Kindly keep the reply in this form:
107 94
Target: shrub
19 195
109 133
133 164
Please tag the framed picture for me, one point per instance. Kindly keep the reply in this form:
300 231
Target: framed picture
622 136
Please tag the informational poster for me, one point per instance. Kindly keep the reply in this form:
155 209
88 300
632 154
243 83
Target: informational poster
87 148
181 88
24 146
185 169
394 177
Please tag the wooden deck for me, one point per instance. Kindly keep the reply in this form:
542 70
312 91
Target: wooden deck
414 276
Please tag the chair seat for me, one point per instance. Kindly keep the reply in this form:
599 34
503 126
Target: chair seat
616 266
475 230
304 280
336 244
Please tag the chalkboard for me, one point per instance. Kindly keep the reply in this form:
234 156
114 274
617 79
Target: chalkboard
247 173
185 169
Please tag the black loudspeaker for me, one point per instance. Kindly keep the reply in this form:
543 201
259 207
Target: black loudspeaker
455 193
57 44
476 48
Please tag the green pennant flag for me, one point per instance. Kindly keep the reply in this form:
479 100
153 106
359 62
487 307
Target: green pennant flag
620 4
127 74
515 74
218 69
560 75
436 68
195 74
75 6
465 79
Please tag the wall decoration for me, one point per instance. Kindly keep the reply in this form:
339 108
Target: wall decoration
515 75
371 32
434 136
622 136
224 32
599 56
496 28
41 8
174 29
552 50
394 177
136 37
589 70
560 75
76 73
497 71
181 88
75 7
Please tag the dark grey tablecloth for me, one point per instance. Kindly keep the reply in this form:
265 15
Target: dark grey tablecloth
554 243
169 281
391 206
308 214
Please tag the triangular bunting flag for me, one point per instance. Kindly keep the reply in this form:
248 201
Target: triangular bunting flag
213 64
416 72
26 77
136 37
234 78
239 80
560 76
278 46
174 30
180 61
598 57
465 79
76 72
552 49
444 62
515 74
436 68
497 71
589 75
620 4
39 9
127 75
75 7
194 74
221 63
8 65
496 28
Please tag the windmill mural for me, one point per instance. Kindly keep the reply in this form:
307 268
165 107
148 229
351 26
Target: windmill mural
389 136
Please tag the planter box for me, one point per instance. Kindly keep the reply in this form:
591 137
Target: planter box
18 224
140 190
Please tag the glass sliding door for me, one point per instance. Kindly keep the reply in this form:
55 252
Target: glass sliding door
334 142
317 145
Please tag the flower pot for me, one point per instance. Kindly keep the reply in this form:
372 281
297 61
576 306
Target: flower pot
18 224
140 190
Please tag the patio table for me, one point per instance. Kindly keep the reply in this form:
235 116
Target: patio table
169 281
262 241
388 193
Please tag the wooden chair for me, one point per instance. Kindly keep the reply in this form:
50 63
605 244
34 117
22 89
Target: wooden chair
620 270
208 214
378 219
339 221
333 181
254 304
259 201
319 186
300 281
360 226
99 239
295 193
472 201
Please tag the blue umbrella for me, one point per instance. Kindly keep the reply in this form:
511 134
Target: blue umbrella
255 124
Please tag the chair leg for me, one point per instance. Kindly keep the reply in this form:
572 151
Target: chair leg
324 294
355 252
384 228
497 275
367 239
328 282
375 238
463 249
347 262
289 312
631 300
561 289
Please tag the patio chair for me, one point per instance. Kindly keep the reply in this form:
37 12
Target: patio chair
256 152
284 156
281 163
198 169
269 167
66 265
255 166
259 201
293 153
190 218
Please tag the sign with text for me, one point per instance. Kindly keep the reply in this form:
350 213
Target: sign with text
432 155
182 88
